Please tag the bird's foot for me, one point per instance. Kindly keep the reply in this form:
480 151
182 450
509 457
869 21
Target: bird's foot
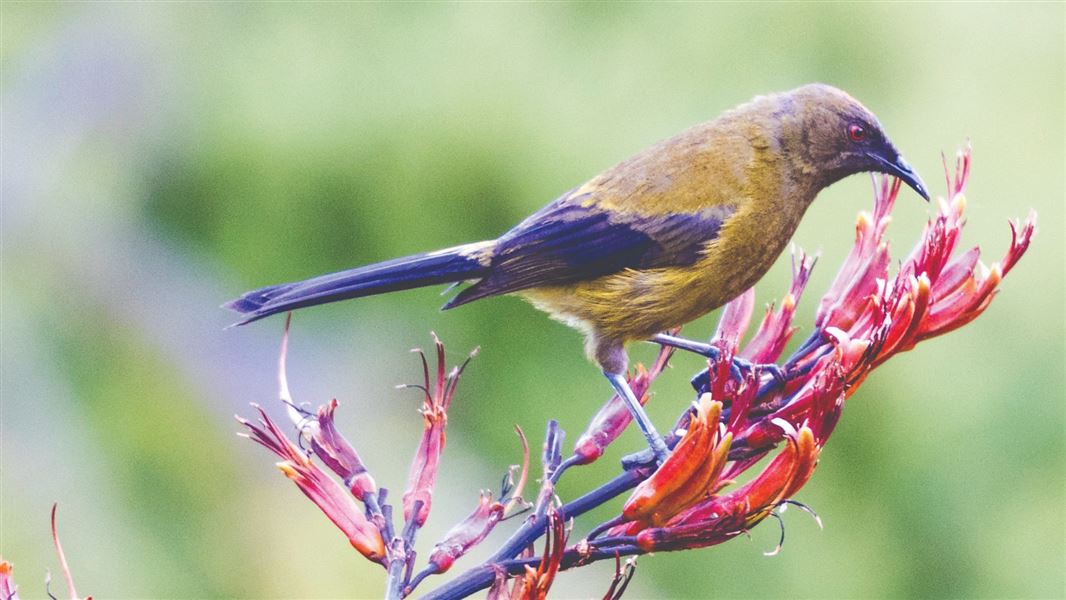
776 373
656 445
738 367
638 460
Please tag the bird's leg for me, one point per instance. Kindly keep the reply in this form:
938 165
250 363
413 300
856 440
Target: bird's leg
714 353
655 441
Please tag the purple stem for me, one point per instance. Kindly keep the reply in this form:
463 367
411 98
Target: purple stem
573 460
373 511
397 563
417 579
482 576
386 513
602 527
535 528
409 531
816 339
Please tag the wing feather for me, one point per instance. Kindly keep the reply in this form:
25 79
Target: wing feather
569 241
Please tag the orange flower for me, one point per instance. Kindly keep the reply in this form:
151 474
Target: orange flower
723 517
689 474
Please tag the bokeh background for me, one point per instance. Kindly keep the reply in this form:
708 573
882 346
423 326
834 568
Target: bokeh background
160 158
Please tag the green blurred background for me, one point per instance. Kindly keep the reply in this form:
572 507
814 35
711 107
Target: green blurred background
160 158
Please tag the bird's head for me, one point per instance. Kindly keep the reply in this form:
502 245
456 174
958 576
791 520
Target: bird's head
834 136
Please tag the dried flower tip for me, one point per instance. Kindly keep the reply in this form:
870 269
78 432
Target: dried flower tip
623 574
515 490
62 557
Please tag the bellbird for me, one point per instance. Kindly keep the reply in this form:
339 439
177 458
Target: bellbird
655 241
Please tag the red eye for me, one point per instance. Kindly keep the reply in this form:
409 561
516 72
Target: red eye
856 133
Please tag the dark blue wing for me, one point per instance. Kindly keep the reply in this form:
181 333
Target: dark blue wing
566 242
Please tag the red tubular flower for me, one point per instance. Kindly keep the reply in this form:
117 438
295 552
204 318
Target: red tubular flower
334 450
933 293
776 327
724 517
960 294
324 491
320 431
690 472
868 260
438 398
469 532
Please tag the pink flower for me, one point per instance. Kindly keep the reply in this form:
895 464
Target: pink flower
472 530
467 533
321 433
776 328
438 398
316 484
334 450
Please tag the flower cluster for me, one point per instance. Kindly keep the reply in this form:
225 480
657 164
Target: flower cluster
351 498
866 317
748 406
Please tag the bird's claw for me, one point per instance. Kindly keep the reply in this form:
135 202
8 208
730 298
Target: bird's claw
641 459
757 369
737 368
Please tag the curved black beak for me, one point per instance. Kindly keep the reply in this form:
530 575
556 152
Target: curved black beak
899 168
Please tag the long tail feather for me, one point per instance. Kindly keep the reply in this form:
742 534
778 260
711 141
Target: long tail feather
443 266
